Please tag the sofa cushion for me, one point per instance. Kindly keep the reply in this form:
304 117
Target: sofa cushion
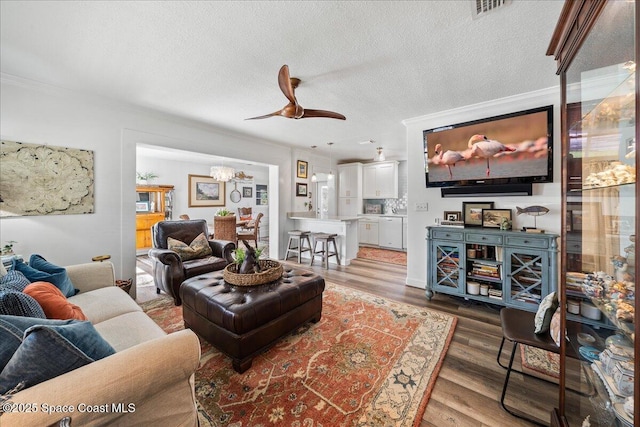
16 303
104 303
14 279
198 248
129 330
64 344
39 269
54 304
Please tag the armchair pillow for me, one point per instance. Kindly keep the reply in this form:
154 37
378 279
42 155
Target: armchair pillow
65 345
39 269
53 303
545 312
198 248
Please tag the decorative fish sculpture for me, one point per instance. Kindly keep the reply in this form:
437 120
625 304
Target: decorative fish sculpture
532 210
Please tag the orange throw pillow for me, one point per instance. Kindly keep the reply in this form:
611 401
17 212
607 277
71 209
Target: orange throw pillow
53 302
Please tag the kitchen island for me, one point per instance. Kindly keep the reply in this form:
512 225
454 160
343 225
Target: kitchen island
346 227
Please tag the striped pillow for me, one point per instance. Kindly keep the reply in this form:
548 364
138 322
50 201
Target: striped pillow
16 303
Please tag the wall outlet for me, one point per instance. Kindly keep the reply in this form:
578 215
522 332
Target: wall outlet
422 206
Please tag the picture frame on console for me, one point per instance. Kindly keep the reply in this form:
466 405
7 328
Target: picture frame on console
452 216
472 213
493 218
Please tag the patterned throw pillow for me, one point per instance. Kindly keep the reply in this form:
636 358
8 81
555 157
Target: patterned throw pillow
546 309
554 327
15 280
199 248
16 303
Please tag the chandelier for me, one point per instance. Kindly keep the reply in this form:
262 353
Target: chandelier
222 173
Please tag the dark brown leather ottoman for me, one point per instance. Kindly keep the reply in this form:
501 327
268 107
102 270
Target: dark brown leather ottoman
244 321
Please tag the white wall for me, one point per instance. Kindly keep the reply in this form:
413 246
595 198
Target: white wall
176 173
543 194
36 113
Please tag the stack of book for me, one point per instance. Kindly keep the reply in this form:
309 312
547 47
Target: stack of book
488 270
495 293
449 266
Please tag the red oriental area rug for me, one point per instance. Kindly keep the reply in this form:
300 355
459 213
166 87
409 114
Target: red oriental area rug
382 255
368 362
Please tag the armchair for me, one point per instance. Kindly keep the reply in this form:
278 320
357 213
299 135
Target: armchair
169 271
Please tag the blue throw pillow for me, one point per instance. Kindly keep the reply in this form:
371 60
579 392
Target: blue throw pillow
40 270
14 279
48 348
16 303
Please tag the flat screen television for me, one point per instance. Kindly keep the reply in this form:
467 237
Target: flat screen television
514 148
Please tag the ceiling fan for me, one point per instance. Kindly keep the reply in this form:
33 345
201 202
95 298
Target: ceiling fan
293 110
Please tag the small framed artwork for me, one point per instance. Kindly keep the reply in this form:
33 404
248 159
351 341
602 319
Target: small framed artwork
302 169
205 192
493 218
247 191
142 206
452 216
472 213
301 189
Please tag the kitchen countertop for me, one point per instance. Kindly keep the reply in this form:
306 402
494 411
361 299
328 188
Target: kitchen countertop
314 217
396 215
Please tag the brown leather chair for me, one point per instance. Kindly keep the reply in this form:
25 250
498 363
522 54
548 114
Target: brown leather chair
169 271
252 234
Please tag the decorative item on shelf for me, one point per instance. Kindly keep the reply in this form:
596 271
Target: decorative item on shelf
145 177
535 212
241 176
472 212
495 218
7 249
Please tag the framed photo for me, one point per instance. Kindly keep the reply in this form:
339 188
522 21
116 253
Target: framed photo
493 218
452 216
142 206
302 169
247 191
205 192
301 189
472 212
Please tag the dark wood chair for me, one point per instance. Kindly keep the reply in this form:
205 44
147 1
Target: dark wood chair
252 234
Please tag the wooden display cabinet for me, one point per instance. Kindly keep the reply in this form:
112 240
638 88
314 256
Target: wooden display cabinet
595 44
154 203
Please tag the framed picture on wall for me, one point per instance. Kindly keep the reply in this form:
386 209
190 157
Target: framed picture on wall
142 206
205 192
247 191
302 169
472 213
301 189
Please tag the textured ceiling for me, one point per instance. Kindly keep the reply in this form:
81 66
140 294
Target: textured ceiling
376 62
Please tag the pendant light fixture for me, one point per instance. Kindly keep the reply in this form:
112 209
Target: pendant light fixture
222 173
330 176
379 157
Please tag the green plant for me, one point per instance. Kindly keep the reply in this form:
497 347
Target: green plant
8 247
224 212
145 176
239 255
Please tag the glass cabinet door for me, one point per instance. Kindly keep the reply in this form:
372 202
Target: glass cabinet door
448 270
600 200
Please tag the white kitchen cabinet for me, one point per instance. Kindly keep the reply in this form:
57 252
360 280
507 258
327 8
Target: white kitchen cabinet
390 232
349 206
380 180
350 189
368 231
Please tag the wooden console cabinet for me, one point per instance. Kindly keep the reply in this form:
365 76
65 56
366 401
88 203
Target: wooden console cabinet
154 203
509 268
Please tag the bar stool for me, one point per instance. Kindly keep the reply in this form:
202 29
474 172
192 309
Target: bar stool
325 252
300 237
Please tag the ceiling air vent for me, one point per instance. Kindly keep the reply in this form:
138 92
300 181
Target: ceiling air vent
482 7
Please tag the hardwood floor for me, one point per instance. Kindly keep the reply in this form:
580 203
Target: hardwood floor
469 385
468 389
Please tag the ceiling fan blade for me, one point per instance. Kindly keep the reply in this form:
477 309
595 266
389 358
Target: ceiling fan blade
308 113
266 116
285 84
